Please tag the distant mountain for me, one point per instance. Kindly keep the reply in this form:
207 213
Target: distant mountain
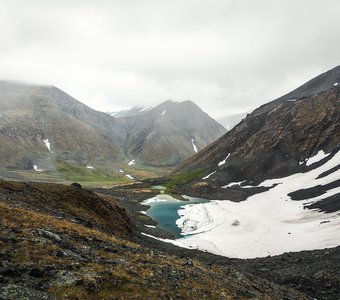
44 129
166 134
278 138
229 122
42 125
126 113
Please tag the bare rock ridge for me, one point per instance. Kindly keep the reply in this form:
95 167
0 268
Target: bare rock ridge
277 138
318 84
48 128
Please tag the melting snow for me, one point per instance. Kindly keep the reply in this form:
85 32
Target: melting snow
320 155
223 161
163 113
194 146
89 167
36 168
132 162
268 223
155 199
48 144
206 177
129 176
147 108
232 184
150 226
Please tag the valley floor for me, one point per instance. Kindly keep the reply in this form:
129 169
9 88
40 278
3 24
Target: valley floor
65 242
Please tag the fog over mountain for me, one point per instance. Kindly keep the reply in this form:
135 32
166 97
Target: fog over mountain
228 57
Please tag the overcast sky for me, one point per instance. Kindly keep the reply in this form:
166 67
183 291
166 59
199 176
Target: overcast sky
227 56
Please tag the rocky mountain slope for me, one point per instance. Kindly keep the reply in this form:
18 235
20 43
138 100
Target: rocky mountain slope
53 132
60 242
278 138
46 126
167 134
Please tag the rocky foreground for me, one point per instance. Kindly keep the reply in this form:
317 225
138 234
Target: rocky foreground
65 242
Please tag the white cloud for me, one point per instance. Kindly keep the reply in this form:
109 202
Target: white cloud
227 56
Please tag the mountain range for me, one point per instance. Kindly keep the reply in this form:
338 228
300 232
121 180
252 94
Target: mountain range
51 131
276 173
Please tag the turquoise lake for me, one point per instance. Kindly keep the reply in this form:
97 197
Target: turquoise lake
165 213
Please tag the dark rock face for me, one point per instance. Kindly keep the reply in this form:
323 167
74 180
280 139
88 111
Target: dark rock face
321 83
329 204
273 139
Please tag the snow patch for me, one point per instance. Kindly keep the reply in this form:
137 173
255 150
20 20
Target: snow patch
268 223
89 167
335 84
129 176
48 144
147 108
121 171
150 226
163 113
153 200
232 184
206 177
35 167
132 162
194 146
222 162
320 155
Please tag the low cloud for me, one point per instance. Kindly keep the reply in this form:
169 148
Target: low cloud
227 56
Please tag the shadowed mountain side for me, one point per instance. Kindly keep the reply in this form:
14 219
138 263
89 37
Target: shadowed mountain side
275 139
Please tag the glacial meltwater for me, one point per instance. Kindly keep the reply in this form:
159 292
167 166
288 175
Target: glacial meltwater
164 210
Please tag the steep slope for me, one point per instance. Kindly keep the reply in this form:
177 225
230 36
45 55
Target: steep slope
277 174
167 134
275 140
44 125
320 83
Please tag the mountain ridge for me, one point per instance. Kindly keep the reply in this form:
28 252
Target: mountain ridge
275 139
33 117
